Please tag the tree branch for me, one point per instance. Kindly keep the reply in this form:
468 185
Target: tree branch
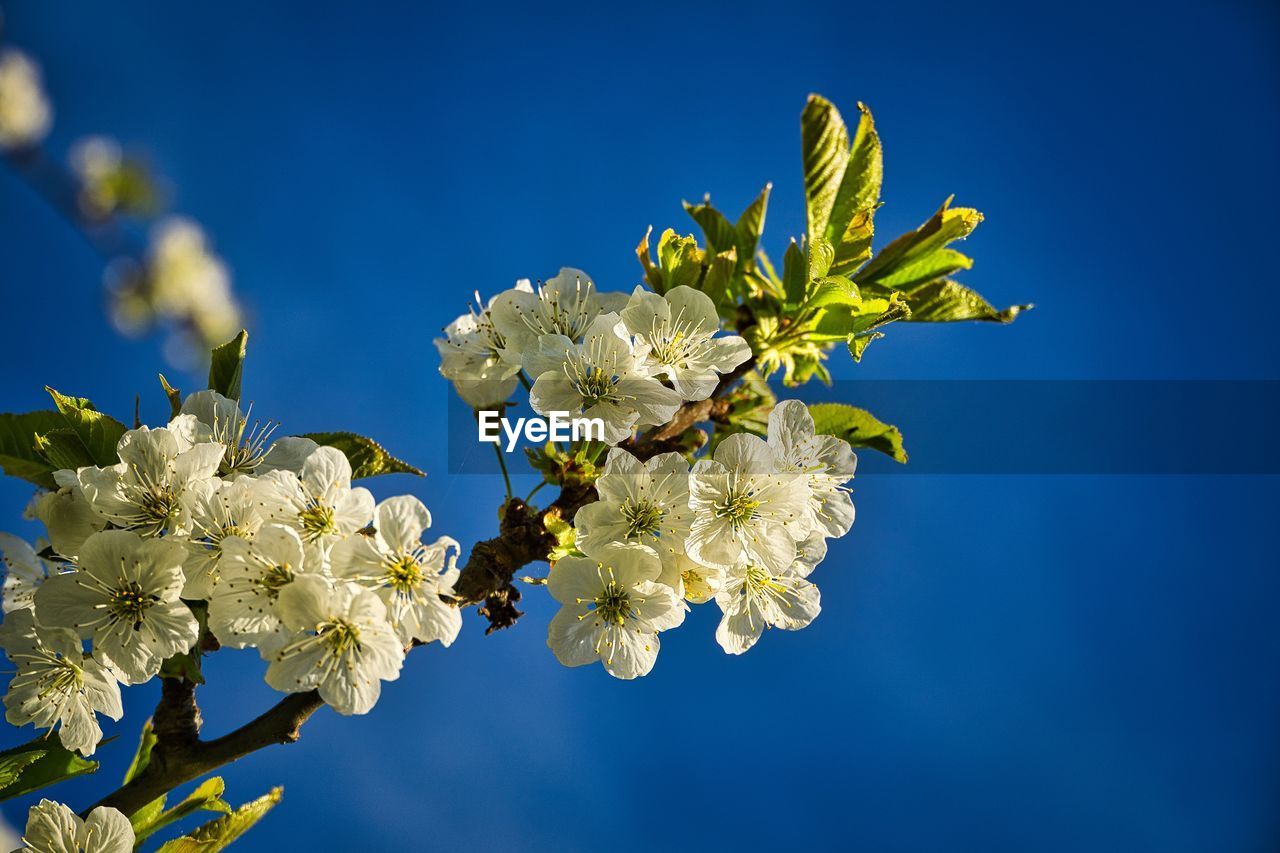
175 759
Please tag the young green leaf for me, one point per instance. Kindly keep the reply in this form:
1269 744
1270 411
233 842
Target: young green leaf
948 301
18 454
62 448
207 797
931 267
11 766
824 141
948 224
367 457
97 432
54 764
750 225
795 274
720 234
858 427
217 834
859 188
226 366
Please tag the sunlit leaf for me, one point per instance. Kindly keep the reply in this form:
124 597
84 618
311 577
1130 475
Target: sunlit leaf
367 457
858 427
226 366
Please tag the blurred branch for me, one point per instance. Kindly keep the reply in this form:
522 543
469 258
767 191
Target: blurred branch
60 189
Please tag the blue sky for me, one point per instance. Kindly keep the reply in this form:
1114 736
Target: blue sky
1003 662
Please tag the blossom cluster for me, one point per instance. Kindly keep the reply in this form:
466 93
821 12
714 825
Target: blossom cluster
207 533
745 528
601 355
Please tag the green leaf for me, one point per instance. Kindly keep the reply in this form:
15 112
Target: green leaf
858 427
833 290
11 766
226 366
858 343
824 141
750 225
821 254
947 301
948 224
719 232
62 448
795 274
18 455
854 246
217 834
718 283
184 666
679 261
54 764
207 796
930 267
141 758
367 457
99 433
174 395
859 189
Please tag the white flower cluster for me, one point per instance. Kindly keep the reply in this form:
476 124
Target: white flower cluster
745 527
25 115
181 281
601 355
207 519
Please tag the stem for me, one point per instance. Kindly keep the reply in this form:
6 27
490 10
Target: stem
502 463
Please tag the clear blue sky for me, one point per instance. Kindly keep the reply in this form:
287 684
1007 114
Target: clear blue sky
1002 663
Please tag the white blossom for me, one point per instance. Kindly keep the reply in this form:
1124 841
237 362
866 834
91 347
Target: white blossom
408 575
54 828
691 581
25 115
612 609
754 597
678 328
242 607
340 643
744 509
602 377
826 461
67 516
222 510
642 502
475 356
125 597
318 501
24 572
566 305
220 420
153 486
57 684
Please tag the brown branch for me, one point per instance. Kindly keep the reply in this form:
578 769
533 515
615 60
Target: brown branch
180 756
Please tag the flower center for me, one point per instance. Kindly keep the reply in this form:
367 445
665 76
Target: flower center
594 385
613 605
405 575
157 504
642 518
276 578
129 603
738 508
340 636
317 520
